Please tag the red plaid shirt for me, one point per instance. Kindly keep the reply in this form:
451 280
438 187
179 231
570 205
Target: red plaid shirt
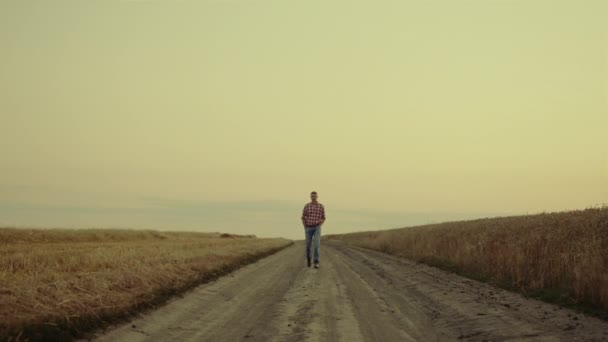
313 214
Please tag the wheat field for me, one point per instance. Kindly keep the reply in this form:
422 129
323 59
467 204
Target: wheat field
562 254
63 282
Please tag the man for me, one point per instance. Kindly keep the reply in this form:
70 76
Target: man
313 217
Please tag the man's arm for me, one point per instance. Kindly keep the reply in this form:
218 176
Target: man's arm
322 215
303 215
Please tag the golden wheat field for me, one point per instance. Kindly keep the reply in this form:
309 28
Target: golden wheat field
561 254
66 281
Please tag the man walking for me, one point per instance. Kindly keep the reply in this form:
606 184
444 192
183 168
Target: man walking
313 217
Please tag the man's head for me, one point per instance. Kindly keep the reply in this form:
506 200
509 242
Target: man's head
313 196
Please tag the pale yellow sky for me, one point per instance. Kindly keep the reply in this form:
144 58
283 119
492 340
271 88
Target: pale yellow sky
225 114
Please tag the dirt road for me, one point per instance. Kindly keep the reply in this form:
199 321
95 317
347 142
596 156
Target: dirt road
356 295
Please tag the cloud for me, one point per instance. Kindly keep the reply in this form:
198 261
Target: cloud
264 218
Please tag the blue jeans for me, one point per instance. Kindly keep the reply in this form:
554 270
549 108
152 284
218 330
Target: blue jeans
313 234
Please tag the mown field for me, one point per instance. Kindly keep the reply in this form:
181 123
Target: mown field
57 284
558 257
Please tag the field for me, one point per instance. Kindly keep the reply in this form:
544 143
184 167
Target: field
61 283
559 257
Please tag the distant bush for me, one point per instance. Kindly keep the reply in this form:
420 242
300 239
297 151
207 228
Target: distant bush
235 236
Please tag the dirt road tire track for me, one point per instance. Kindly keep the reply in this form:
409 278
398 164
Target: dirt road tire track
357 295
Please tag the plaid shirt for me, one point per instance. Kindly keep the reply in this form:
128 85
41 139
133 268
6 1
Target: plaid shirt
313 214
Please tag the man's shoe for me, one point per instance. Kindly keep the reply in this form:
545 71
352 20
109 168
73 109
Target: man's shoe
316 265
308 262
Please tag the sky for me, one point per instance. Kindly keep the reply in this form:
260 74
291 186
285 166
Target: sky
223 115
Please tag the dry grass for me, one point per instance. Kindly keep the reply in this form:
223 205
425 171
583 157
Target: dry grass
564 253
57 283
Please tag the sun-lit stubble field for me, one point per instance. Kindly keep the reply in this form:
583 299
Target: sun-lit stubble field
61 282
561 257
